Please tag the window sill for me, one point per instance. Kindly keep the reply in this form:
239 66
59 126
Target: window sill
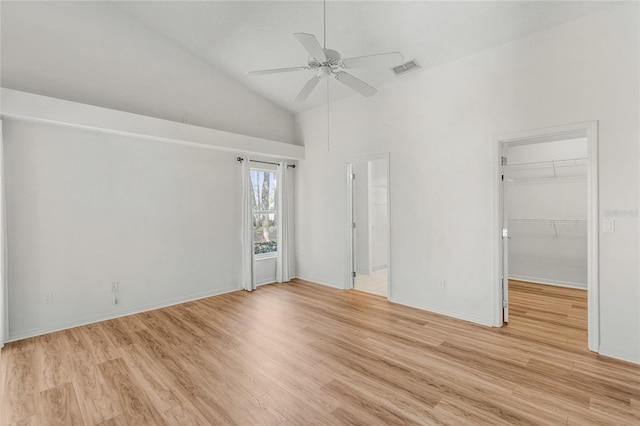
266 256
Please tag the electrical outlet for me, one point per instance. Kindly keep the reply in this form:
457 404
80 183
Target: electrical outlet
442 284
48 297
114 291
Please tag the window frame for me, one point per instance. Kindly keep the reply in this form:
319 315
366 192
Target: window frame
274 169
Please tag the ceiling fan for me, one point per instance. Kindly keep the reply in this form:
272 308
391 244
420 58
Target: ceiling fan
327 62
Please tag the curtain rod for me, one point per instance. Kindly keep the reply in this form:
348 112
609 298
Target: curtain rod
240 160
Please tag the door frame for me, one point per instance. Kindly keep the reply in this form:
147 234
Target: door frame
588 129
504 243
349 230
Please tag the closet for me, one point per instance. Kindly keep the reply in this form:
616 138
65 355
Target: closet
546 205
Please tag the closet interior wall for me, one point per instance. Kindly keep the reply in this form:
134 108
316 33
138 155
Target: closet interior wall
547 212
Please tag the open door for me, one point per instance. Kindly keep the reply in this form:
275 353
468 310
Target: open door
505 234
508 173
368 233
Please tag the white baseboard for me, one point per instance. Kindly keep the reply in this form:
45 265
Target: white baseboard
24 334
379 268
545 281
425 307
318 282
444 311
604 350
264 282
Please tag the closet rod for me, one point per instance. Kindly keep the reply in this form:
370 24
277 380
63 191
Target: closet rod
240 160
547 162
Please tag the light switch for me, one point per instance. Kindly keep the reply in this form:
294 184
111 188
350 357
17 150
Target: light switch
608 225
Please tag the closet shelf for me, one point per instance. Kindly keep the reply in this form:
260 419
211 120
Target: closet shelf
555 228
542 170
551 163
571 221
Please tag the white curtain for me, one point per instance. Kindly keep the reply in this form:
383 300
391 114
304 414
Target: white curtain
4 313
248 274
282 262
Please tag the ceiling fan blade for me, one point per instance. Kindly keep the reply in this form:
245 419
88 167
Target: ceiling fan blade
355 83
380 60
307 89
311 45
277 70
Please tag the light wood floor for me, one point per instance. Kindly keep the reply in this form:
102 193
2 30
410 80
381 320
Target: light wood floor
375 283
292 354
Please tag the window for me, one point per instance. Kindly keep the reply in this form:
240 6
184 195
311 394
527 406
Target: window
263 200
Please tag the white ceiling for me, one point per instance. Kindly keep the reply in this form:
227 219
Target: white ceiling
240 36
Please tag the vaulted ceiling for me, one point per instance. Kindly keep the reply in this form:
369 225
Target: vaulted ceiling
109 53
240 36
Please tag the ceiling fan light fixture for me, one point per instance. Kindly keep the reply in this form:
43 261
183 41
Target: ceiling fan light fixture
324 71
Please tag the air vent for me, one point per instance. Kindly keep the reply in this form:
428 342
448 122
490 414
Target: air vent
406 67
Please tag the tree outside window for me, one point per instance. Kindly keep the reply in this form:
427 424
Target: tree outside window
263 199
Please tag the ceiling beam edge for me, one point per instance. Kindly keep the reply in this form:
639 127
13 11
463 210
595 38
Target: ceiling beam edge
36 108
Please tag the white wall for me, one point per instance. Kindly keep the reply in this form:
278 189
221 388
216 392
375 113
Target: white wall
93 53
439 126
547 151
265 270
85 209
547 215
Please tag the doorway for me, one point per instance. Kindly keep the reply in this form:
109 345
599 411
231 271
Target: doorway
368 224
548 219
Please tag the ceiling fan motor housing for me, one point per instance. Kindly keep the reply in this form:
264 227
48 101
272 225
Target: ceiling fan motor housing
333 60
328 62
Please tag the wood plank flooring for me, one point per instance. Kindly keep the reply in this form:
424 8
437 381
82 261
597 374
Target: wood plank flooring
300 353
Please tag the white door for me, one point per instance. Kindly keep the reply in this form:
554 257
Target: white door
362 214
368 225
379 221
352 222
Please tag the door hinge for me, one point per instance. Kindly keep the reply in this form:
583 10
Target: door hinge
505 304
503 178
503 161
353 225
505 233
353 274
353 175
